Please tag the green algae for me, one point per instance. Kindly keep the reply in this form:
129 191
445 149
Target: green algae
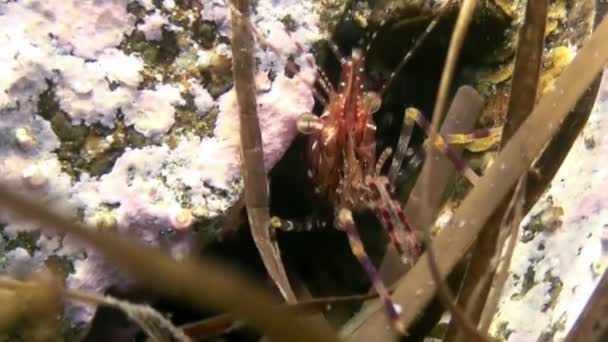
92 149
555 289
174 59
60 266
502 331
25 240
157 55
134 8
189 122
527 284
289 23
205 33
217 78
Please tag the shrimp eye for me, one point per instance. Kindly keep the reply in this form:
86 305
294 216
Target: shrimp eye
309 123
373 101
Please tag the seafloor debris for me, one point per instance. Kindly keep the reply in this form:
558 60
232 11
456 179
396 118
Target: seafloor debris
122 114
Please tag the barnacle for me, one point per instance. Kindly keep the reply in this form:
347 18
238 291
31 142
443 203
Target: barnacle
24 138
182 219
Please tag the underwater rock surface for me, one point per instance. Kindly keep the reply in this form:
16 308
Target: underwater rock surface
122 114
562 249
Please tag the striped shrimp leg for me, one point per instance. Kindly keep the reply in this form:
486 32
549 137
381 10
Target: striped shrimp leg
391 215
345 222
442 142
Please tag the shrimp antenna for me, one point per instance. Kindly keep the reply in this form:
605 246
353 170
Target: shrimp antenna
443 10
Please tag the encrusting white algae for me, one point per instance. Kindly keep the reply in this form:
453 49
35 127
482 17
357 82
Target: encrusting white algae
561 252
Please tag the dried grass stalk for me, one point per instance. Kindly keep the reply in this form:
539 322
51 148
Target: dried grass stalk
254 173
522 98
203 284
416 289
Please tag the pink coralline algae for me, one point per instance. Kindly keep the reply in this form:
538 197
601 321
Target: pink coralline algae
107 99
